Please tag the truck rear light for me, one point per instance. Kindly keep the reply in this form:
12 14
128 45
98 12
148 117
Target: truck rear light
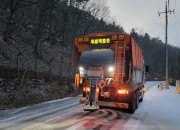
114 37
86 39
86 89
80 39
121 37
144 89
97 90
123 91
81 80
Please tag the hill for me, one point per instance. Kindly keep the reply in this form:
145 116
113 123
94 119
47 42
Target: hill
36 39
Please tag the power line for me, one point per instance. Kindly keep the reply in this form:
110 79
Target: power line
175 23
162 24
173 28
161 19
176 28
158 5
177 40
175 5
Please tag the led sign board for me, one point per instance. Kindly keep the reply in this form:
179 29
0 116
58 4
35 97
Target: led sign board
95 41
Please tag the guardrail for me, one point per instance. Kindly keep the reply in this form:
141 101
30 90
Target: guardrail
178 86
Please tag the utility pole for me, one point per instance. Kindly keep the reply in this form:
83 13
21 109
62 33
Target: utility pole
166 34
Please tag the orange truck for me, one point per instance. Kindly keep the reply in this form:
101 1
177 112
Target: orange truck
110 69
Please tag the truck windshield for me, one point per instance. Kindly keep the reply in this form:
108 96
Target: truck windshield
98 58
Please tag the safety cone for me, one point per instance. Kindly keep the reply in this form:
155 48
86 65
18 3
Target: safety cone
167 84
178 86
160 86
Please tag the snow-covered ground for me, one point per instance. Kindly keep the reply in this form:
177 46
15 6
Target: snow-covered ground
160 110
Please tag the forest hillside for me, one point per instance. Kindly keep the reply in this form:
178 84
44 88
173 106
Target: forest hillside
36 39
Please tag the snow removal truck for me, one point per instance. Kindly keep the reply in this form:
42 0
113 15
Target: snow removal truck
110 70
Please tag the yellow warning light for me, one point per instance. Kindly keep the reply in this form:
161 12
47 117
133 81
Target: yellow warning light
80 39
86 39
121 37
76 82
114 37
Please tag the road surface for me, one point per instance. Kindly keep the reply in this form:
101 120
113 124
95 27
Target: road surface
154 113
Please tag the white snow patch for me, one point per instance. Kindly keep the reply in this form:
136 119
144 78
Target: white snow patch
160 110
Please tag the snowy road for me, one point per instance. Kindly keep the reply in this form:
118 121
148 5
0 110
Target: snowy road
160 110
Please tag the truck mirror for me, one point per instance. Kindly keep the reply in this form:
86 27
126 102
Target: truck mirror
147 68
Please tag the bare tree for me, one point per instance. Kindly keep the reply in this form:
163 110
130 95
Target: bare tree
13 6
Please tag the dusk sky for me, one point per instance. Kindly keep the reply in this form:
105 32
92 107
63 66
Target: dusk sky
143 16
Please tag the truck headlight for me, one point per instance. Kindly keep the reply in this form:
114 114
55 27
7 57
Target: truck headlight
110 69
82 71
81 68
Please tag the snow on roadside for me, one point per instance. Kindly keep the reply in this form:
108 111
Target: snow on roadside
160 110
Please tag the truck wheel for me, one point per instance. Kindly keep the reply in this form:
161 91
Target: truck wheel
100 107
142 96
132 105
141 99
137 99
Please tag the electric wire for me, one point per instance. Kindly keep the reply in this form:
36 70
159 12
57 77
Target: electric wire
176 28
158 6
173 23
162 24
176 31
163 28
175 5
173 28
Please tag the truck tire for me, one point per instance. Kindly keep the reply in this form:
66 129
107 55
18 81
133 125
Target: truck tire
142 96
132 105
100 107
137 99
141 99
